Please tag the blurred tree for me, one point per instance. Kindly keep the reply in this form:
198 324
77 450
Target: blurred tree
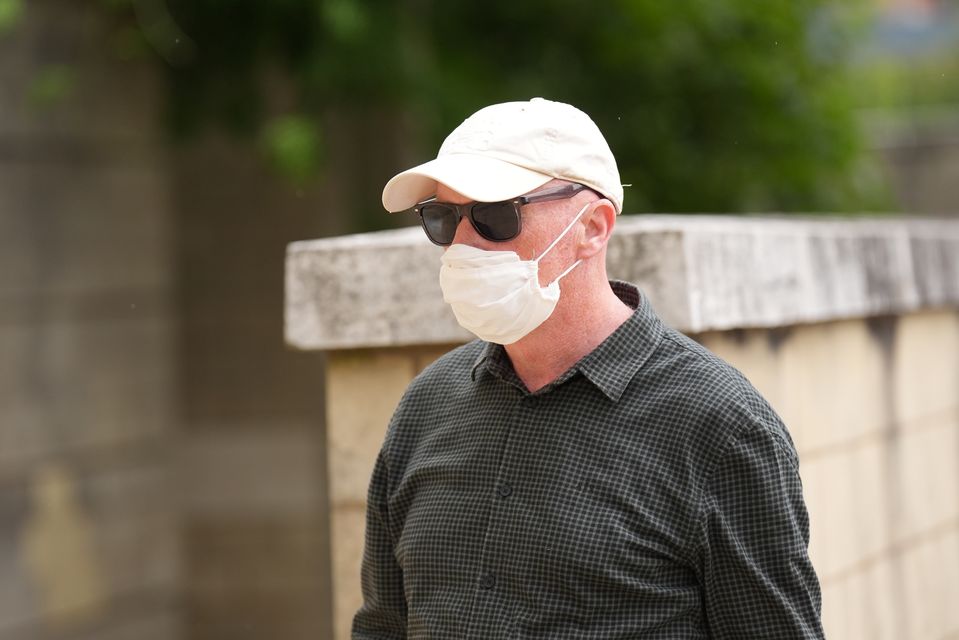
10 12
709 106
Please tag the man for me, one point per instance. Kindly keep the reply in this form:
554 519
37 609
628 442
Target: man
581 470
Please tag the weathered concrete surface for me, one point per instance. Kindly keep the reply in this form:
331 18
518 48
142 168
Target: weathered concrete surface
372 289
701 273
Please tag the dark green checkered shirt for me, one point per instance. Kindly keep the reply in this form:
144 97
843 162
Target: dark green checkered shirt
649 492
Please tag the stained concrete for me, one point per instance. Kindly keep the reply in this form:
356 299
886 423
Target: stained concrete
700 272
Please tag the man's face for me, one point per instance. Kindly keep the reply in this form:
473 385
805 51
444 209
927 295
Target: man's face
542 223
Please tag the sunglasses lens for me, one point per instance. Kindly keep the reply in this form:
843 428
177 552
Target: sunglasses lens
439 221
497 221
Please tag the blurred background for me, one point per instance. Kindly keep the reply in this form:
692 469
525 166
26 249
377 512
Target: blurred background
162 473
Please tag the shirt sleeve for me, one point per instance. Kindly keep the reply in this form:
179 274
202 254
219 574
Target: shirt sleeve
383 614
757 578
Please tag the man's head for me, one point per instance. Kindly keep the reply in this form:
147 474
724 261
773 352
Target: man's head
540 189
509 149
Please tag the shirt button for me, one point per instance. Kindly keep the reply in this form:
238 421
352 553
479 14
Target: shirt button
504 490
487 581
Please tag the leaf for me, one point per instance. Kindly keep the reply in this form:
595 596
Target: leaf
51 85
11 11
293 146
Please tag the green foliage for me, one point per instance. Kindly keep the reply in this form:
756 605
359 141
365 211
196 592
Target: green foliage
293 146
10 14
903 84
51 86
709 106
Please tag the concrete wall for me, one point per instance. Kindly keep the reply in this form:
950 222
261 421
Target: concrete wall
89 544
161 469
850 329
918 153
255 531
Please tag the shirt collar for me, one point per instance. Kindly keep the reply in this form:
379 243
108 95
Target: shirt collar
610 366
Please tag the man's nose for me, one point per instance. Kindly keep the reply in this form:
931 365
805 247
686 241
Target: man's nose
466 234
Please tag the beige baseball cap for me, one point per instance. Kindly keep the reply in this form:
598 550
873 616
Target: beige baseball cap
505 150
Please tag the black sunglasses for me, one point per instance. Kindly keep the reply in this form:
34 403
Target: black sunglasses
495 221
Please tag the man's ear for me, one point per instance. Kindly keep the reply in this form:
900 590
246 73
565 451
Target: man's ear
599 226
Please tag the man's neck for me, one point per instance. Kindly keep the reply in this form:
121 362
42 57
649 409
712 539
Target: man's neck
578 325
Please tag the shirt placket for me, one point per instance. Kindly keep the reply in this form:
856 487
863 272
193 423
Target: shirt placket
493 606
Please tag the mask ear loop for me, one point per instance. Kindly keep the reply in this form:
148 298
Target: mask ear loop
571 267
560 237
565 231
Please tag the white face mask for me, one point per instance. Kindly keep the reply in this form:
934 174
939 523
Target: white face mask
496 295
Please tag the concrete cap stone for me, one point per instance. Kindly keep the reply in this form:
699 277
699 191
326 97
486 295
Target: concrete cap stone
700 273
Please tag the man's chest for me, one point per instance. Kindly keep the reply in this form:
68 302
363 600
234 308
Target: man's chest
545 510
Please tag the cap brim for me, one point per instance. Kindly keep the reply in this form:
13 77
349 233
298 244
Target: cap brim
479 178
